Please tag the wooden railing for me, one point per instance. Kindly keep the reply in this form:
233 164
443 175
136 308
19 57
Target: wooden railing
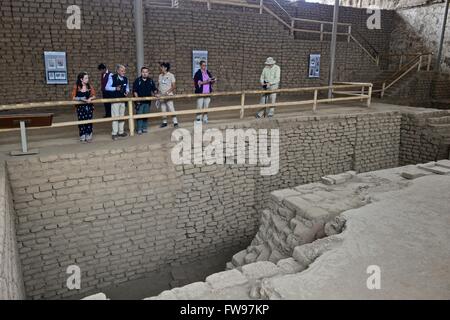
277 11
404 58
242 107
418 61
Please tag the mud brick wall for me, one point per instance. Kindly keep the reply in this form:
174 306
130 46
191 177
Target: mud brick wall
419 144
28 28
418 29
11 282
238 42
119 214
378 38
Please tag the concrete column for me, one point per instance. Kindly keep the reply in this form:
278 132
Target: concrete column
139 30
441 43
333 47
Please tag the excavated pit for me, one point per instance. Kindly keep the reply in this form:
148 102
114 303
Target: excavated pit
136 226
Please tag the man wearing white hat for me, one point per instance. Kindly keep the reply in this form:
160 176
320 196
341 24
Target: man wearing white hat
270 80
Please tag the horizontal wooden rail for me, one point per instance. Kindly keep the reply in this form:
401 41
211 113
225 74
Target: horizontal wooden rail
321 22
131 117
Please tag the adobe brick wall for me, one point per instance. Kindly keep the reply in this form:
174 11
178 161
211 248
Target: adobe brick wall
121 213
419 144
28 28
11 282
418 29
238 42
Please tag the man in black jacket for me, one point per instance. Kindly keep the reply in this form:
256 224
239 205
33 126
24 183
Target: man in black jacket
203 81
144 86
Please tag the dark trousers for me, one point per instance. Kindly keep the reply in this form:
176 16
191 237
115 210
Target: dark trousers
107 106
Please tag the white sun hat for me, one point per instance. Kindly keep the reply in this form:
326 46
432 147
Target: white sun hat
270 60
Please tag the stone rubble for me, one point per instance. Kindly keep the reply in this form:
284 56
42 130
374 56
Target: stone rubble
290 239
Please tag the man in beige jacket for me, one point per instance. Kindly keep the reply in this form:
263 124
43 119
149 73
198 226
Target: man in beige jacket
270 80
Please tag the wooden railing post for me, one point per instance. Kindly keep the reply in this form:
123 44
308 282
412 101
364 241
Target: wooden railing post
363 90
383 88
420 62
321 32
430 57
369 99
130 117
261 6
242 104
292 26
315 101
349 33
208 4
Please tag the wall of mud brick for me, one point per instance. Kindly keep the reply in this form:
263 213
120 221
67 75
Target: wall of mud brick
11 282
238 42
119 214
420 143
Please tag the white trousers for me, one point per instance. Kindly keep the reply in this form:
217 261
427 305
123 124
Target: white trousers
118 110
168 106
203 103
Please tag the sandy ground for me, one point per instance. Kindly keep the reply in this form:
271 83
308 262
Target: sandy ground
404 232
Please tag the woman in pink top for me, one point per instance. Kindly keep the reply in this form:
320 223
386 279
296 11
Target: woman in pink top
203 81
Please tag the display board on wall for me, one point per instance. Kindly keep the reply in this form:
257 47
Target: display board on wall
55 67
197 56
314 66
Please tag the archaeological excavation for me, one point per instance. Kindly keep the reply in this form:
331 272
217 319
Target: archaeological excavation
198 164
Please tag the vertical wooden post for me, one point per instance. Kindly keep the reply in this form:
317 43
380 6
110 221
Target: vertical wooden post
430 57
315 101
349 33
383 88
420 62
261 5
130 117
362 93
321 32
292 26
242 104
369 99
209 5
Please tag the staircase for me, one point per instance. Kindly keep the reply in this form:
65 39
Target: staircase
388 80
386 84
321 29
440 128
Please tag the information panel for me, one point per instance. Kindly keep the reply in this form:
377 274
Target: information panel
314 65
197 56
55 67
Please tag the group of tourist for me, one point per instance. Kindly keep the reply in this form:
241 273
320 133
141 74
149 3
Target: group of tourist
116 86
